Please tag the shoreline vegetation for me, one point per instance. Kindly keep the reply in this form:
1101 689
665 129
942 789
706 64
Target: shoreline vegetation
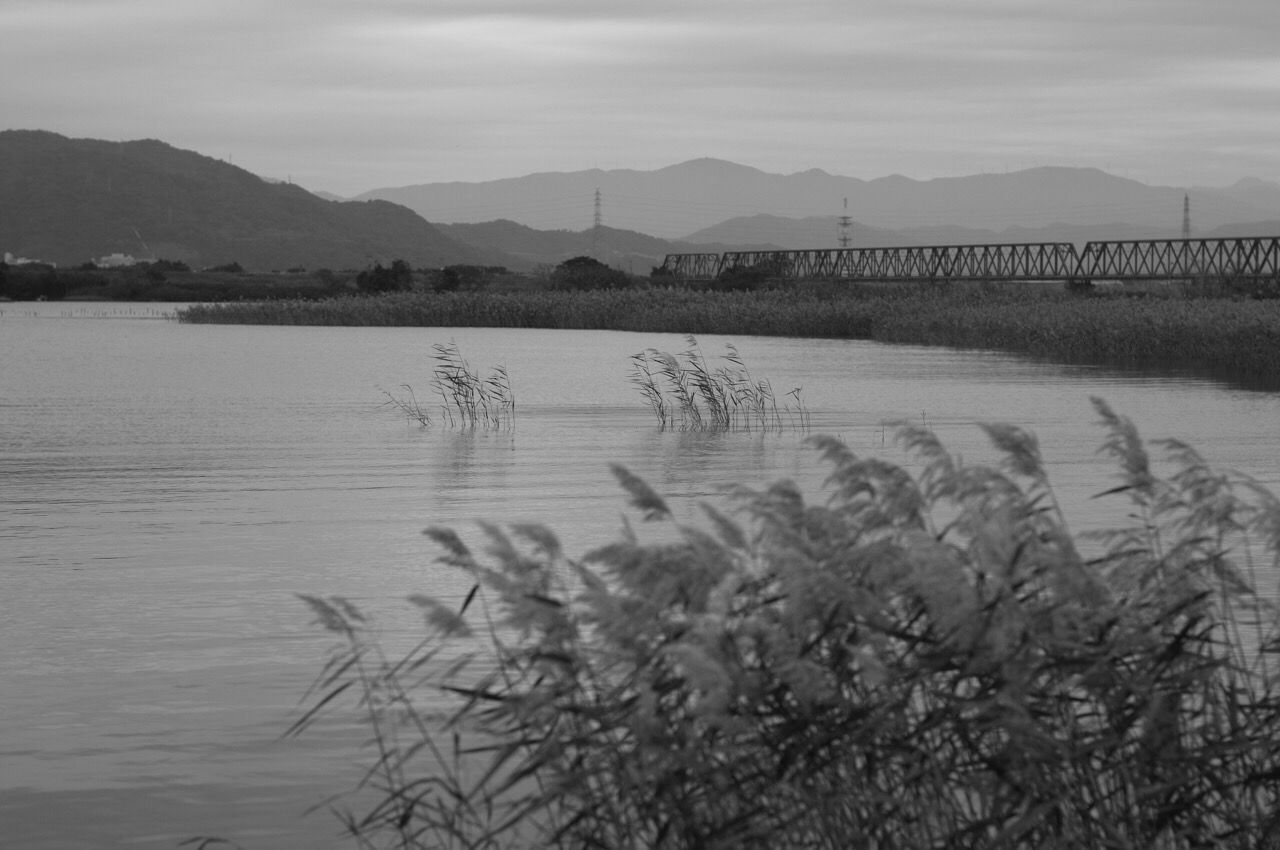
1217 329
918 656
1231 339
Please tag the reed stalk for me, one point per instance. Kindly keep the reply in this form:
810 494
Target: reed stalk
685 393
643 375
408 406
468 399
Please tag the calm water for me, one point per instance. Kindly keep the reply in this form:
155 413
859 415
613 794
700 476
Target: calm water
166 489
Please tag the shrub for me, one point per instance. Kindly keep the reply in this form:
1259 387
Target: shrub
168 266
922 659
79 282
32 282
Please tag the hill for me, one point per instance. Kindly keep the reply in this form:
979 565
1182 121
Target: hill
524 248
70 200
681 201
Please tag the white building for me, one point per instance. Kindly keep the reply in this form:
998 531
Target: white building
115 261
10 260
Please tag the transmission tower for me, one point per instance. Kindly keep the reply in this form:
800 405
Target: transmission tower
1186 216
595 228
846 225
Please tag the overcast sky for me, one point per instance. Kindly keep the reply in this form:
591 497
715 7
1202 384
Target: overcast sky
351 95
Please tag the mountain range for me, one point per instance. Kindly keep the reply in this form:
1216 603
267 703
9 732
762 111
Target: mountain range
684 201
69 200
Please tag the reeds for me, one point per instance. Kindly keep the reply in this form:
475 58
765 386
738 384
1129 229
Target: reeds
1228 337
408 405
685 393
468 399
917 659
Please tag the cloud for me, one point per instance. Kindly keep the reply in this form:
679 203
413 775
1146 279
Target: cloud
350 95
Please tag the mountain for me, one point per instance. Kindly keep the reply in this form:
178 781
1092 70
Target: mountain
768 232
70 200
1251 190
523 248
682 201
764 232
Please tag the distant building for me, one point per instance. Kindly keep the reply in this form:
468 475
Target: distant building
115 261
10 260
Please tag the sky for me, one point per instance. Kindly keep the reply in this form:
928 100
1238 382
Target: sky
351 95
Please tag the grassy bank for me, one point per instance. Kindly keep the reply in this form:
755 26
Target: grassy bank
1226 337
161 282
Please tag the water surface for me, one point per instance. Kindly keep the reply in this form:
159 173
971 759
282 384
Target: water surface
166 489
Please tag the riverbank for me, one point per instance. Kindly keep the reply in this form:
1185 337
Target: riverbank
1233 339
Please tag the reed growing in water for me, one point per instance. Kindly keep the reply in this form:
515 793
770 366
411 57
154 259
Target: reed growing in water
688 394
467 398
925 657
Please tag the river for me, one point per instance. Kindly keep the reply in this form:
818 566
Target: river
167 489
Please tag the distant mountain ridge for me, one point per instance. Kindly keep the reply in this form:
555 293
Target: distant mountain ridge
682 201
766 232
72 200
522 247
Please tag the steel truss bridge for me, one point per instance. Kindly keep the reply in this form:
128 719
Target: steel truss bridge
1252 258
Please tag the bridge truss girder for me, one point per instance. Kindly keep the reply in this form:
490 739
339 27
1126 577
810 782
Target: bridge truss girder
1151 259
692 266
1180 259
1020 261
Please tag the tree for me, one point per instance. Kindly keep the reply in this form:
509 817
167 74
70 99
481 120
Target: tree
587 273
462 277
380 279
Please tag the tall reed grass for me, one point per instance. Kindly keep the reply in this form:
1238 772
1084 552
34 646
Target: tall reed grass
1227 337
467 398
922 657
688 394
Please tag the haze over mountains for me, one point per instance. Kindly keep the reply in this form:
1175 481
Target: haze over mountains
686 201
71 200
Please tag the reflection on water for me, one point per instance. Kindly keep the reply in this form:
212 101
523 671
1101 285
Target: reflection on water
165 490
